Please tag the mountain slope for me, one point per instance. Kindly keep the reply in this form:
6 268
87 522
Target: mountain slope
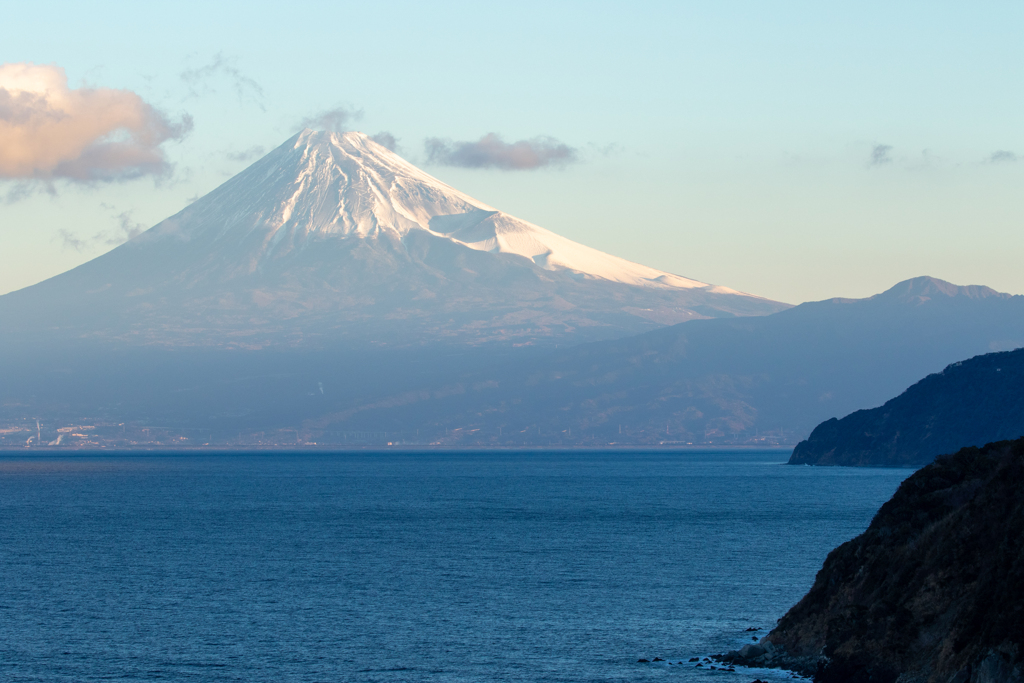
970 403
333 237
724 380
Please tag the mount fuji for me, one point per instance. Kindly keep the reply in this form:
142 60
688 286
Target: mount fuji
334 238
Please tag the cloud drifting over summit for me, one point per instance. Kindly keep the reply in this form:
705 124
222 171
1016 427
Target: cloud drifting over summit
50 131
385 139
491 151
337 120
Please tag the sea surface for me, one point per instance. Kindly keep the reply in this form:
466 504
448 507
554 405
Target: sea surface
426 566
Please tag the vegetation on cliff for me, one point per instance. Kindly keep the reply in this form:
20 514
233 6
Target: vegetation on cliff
932 591
970 403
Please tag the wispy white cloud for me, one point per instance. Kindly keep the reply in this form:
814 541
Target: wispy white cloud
610 149
50 131
253 152
202 80
72 241
1002 156
880 155
125 228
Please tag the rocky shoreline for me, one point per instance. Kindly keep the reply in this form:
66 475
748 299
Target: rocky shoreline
767 655
931 592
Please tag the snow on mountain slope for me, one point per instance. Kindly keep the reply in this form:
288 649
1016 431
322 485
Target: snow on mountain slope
345 184
333 237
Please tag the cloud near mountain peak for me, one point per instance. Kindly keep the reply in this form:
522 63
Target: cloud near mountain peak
491 151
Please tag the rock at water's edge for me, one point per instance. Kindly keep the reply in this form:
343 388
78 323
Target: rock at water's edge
933 591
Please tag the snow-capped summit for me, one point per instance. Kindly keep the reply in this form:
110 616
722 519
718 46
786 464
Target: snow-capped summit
333 235
345 185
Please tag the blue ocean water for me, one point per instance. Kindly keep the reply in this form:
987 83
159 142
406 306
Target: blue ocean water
429 566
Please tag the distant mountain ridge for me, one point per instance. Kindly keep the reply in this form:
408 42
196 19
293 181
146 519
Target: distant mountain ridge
332 238
758 380
923 289
726 380
969 403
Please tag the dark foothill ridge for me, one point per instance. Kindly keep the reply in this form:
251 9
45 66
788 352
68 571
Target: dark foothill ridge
970 403
757 380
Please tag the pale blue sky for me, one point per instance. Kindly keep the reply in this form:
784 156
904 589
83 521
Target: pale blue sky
730 142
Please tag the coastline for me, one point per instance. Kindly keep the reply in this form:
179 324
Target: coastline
397 448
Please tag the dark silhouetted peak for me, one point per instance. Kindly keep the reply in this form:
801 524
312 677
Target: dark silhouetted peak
968 404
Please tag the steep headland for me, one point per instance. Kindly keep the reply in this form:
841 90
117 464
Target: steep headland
970 403
932 592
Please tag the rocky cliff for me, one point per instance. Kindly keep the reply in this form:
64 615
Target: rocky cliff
970 403
932 592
